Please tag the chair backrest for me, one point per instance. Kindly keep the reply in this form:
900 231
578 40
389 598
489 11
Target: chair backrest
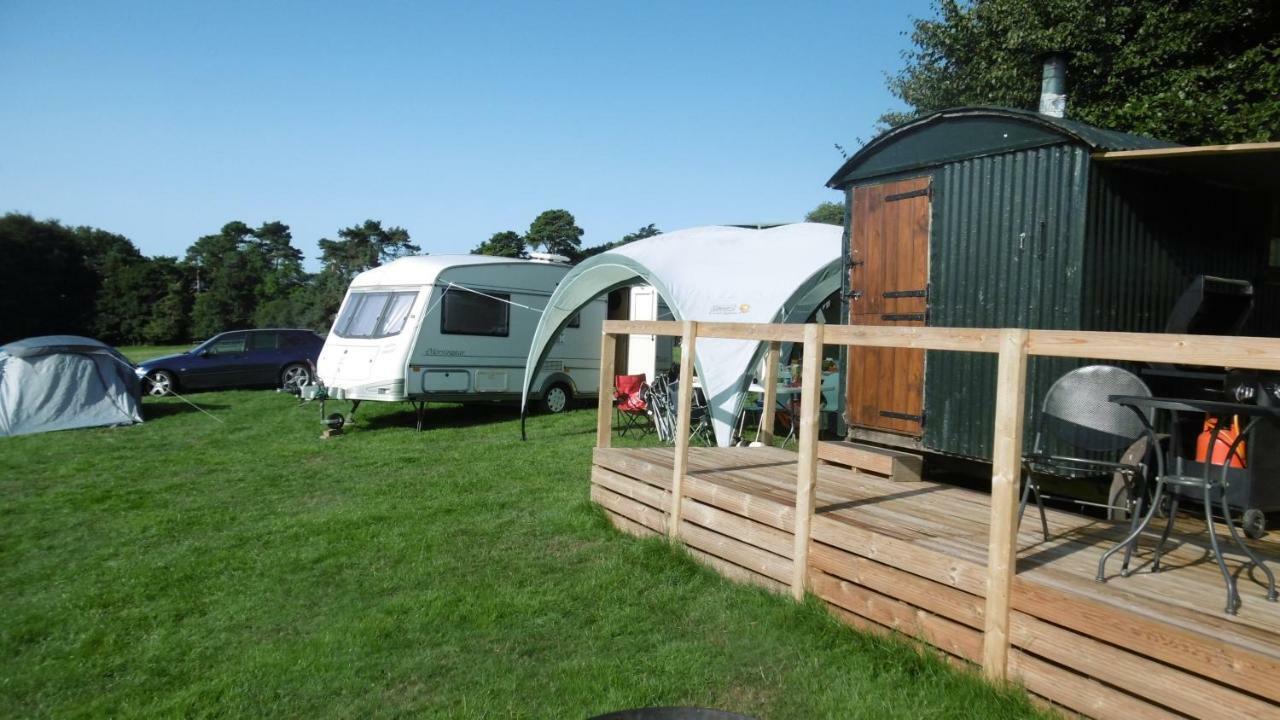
628 384
1077 411
631 392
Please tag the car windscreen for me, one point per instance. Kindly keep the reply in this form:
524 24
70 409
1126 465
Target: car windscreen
374 314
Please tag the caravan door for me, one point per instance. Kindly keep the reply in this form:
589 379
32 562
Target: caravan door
642 350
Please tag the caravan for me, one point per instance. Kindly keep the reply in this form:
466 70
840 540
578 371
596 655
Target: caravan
457 328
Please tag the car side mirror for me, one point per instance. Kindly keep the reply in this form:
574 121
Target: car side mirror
203 353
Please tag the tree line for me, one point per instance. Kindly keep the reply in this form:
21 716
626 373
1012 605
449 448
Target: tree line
87 281
83 280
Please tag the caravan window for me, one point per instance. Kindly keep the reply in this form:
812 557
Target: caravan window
397 312
466 313
374 314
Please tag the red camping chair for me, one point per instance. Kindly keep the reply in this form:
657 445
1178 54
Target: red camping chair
630 404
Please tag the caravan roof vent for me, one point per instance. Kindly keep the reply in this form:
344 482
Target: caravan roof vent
548 258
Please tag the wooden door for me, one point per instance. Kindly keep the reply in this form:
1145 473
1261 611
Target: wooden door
888 284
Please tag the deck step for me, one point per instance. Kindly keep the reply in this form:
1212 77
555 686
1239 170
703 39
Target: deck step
893 464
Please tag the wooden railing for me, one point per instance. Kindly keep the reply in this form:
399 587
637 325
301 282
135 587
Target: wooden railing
1013 348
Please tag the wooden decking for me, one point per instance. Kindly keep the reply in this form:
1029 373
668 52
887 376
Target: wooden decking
912 556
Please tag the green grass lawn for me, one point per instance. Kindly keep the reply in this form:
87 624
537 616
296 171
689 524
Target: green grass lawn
185 567
138 353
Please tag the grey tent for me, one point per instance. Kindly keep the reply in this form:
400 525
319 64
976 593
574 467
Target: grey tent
59 382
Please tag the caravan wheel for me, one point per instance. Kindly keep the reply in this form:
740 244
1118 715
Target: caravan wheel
556 399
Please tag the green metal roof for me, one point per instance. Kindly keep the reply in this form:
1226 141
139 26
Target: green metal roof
958 133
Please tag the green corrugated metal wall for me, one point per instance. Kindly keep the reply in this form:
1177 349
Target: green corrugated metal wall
1149 235
1006 250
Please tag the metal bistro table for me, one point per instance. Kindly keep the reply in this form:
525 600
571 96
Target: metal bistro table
1210 479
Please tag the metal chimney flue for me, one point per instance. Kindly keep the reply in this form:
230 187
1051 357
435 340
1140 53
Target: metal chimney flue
1053 85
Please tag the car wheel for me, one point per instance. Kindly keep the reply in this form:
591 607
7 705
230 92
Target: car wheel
556 399
295 376
160 383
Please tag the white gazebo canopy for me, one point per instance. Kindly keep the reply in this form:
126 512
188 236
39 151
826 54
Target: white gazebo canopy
710 274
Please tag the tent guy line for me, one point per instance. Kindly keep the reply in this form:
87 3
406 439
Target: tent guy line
174 393
451 285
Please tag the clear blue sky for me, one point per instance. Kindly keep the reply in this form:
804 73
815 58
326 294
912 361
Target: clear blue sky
162 121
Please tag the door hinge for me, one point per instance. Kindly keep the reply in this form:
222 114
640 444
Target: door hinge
922 192
903 317
906 293
902 416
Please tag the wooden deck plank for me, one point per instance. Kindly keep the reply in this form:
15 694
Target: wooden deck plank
1177 585
922 546
957 605
1138 675
726 548
947 635
1079 693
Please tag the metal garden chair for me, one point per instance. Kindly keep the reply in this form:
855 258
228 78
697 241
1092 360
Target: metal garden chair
1213 476
1078 414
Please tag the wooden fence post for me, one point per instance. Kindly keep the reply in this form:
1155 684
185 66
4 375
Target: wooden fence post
604 412
770 400
1006 474
684 409
807 443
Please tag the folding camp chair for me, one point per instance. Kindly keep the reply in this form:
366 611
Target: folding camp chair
664 400
1077 413
661 412
630 404
700 419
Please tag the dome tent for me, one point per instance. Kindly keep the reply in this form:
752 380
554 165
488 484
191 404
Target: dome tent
60 382
710 274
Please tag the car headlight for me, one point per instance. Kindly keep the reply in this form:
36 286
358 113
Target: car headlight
140 372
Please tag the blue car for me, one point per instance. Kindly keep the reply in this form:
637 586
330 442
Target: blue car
240 358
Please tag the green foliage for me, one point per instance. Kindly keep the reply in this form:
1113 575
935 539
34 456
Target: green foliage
247 277
320 300
168 319
507 243
47 285
555 231
647 231
362 247
831 213
187 568
283 261
229 270
287 310
139 299
1192 71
